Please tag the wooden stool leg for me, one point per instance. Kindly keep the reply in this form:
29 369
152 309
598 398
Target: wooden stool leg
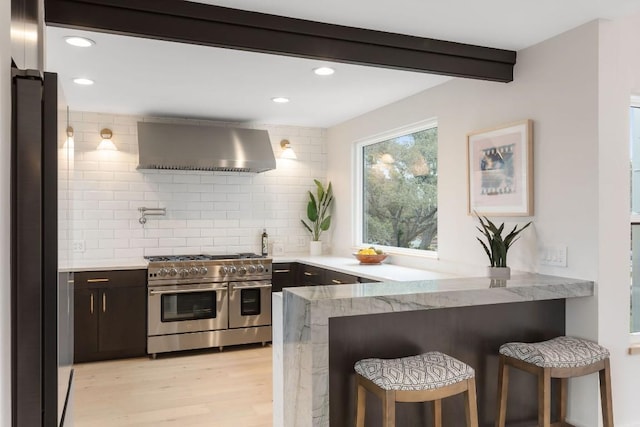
503 390
471 407
564 384
389 409
437 413
361 403
544 398
605 395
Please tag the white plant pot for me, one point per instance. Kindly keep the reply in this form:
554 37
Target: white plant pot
503 273
315 248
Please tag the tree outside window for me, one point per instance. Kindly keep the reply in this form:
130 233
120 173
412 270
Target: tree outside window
400 191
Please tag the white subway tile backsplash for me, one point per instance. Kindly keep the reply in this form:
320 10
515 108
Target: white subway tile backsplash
199 241
143 243
97 214
187 179
209 212
113 205
128 253
213 197
172 242
226 206
213 215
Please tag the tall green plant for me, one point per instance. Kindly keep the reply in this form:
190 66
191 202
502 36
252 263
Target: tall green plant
318 210
497 246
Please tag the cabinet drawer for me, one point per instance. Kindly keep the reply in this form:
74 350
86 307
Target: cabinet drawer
338 278
283 276
309 275
111 278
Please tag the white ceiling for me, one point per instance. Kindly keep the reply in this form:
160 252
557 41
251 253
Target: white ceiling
150 77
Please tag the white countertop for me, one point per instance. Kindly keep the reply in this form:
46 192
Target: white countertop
382 272
348 265
105 264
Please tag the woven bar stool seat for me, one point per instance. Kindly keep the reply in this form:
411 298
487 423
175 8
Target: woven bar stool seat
562 358
426 377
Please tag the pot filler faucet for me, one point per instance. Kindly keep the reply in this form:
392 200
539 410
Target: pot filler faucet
150 211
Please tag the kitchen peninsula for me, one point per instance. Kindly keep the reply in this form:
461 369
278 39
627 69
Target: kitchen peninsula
325 329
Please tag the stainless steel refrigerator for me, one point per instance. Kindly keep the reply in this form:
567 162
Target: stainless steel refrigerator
41 293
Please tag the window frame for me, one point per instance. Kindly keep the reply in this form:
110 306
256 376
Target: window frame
358 185
634 219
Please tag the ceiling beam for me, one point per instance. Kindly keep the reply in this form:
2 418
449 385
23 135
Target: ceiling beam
203 24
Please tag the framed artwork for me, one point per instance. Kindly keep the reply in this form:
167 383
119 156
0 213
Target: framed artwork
500 170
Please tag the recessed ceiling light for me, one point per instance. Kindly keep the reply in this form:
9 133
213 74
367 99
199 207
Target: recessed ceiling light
280 100
79 41
83 81
324 71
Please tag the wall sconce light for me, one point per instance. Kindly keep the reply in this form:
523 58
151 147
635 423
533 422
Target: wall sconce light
287 151
106 143
68 143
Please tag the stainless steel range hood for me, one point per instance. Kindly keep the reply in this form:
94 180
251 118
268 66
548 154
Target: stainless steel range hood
212 148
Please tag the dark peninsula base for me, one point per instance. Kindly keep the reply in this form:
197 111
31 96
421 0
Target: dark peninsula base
471 334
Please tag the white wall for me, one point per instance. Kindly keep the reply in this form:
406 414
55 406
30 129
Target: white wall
619 79
555 85
5 160
550 89
207 212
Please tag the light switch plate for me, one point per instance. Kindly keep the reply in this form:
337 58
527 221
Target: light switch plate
553 255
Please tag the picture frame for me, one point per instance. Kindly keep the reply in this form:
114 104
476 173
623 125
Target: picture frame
500 170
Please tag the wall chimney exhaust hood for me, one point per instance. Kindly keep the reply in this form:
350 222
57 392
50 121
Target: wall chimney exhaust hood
210 148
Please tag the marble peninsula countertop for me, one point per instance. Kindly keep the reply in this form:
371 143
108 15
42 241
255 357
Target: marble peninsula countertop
301 326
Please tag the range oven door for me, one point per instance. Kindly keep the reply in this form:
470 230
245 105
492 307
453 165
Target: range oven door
249 304
179 309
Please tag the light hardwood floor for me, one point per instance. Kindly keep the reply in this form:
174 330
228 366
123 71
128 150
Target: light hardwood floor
232 388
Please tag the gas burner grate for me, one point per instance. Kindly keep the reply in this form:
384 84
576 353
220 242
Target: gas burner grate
201 257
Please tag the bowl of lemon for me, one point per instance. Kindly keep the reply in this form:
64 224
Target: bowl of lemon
370 255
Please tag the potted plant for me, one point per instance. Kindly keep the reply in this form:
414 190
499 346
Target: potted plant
497 247
318 212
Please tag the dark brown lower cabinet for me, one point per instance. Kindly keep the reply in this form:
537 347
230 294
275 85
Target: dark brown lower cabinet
110 312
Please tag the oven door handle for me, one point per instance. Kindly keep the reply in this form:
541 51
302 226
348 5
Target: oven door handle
187 291
232 287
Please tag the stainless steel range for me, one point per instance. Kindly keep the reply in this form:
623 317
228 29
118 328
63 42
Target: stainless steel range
201 301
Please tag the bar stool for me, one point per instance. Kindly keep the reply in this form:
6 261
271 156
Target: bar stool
426 377
562 358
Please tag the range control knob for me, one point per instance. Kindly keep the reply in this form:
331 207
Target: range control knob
242 270
260 268
173 272
184 273
163 272
232 270
251 269
203 271
224 270
194 271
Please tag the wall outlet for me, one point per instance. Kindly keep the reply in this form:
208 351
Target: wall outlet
77 246
553 255
302 241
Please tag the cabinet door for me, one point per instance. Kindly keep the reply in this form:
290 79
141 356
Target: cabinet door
122 325
309 275
85 324
283 276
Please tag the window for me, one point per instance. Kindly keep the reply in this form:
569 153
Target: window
635 214
399 199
